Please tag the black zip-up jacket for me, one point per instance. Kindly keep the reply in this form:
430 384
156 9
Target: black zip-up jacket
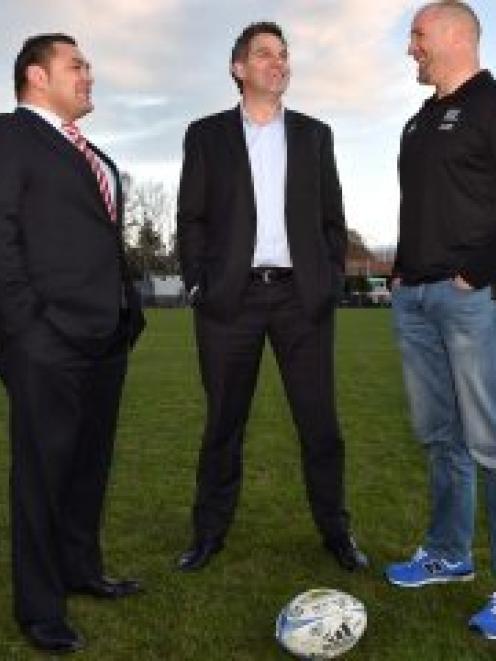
447 168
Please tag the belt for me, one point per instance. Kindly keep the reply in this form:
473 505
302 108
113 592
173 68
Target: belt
268 274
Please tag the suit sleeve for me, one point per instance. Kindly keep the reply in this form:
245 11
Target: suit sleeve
137 320
191 210
19 303
332 204
479 268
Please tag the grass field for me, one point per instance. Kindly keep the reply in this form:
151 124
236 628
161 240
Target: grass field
227 611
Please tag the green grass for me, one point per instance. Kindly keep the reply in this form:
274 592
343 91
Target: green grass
227 611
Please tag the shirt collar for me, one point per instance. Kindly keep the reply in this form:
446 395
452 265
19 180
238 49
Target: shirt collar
480 78
247 121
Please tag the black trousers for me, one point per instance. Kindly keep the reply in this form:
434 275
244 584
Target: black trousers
229 355
63 411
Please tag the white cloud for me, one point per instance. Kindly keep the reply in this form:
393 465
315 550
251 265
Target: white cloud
343 57
138 101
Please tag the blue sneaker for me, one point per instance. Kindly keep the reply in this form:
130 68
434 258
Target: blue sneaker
485 620
424 569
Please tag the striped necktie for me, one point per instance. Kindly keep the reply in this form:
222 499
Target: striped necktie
79 141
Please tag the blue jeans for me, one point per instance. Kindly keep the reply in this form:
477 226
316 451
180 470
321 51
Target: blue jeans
447 338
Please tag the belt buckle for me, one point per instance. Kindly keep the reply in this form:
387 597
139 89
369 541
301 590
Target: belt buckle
266 279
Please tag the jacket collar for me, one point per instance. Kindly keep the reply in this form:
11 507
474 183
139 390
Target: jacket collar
54 138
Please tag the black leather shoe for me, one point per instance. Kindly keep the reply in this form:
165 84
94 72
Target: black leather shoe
198 555
104 587
347 553
54 636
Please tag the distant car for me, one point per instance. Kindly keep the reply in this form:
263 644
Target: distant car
378 293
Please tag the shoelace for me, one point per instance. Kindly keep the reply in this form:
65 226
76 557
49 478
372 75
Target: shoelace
419 554
492 601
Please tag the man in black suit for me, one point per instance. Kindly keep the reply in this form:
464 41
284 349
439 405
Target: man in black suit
68 314
262 241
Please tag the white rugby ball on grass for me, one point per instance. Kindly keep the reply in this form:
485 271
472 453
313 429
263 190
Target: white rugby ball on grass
321 624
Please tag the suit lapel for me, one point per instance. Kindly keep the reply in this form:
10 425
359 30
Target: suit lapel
71 155
297 152
239 150
118 187
235 133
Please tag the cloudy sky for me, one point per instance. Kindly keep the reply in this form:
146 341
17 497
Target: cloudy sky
160 63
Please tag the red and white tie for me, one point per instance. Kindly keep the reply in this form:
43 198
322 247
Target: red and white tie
79 141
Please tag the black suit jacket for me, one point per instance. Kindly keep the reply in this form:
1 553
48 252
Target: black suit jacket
217 214
60 255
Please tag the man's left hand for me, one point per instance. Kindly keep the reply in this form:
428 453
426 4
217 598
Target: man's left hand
462 284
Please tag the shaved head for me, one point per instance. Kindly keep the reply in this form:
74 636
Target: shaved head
456 14
444 42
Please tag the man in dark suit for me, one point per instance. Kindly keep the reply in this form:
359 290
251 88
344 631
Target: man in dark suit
262 241
68 314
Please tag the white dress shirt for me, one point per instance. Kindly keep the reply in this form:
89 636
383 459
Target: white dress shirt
266 144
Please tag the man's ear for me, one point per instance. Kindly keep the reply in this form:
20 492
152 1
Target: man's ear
238 70
36 76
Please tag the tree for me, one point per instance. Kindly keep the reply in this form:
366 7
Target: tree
356 246
356 284
149 218
172 257
149 245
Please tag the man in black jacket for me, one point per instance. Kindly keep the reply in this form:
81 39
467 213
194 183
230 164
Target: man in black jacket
68 314
262 241
444 316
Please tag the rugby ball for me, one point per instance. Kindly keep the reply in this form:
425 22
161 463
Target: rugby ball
321 624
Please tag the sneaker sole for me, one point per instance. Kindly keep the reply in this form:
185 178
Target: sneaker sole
476 629
461 578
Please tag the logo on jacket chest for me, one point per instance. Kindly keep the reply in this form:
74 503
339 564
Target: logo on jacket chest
450 119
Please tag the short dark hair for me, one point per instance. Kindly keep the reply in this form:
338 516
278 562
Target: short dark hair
242 43
36 50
